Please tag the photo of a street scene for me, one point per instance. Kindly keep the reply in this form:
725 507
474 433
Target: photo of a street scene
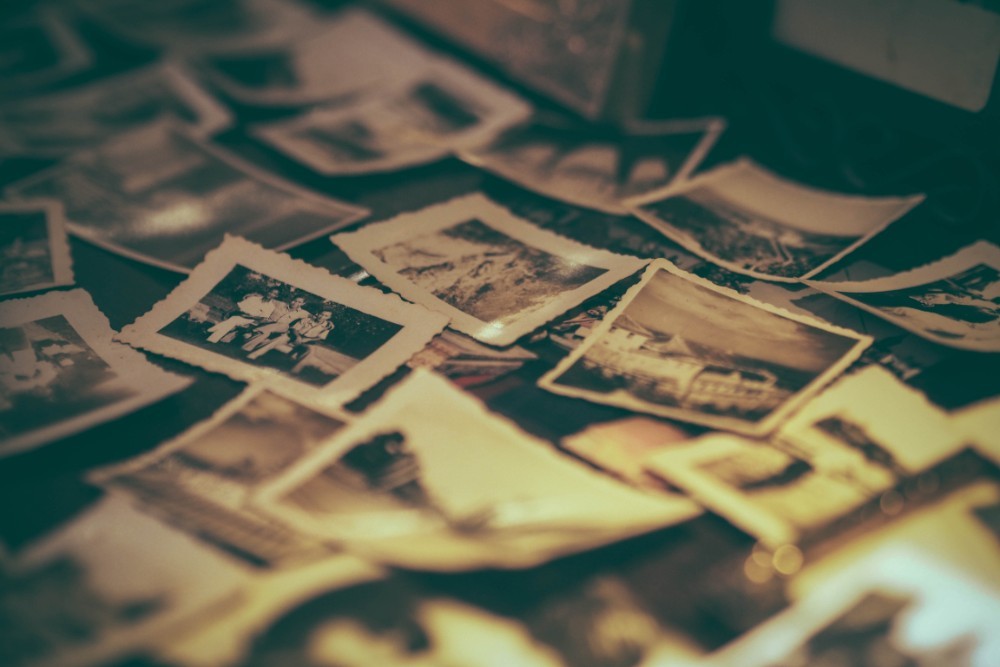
265 322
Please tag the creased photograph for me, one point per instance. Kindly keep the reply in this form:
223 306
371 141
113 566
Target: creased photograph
752 221
404 486
170 211
61 373
954 301
261 316
34 250
496 276
680 347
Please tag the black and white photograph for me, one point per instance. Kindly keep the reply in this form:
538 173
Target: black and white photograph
954 301
39 48
106 585
496 276
201 481
61 373
403 486
258 315
569 162
752 221
444 109
678 346
34 250
170 211
468 363
60 123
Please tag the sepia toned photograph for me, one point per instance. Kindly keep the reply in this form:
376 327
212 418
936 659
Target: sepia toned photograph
954 301
496 277
202 480
59 123
39 48
466 362
61 373
445 108
754 222
403 486
105 586
678 346
34 250
258 315
170 211
569 162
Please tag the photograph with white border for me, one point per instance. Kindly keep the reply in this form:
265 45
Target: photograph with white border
401 485
34 250
681 347
496 276
201 480
261 316
566 162
171 210
752 221
446 108
39 48
61 372
59 123
954 301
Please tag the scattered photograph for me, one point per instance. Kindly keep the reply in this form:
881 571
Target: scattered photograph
83 117
108 584
258 315
754 222
61 373
466 362
170 211
337 59
565 161
496 277
954 301
38 48
34 250
680 347
404 486
202 480
444 109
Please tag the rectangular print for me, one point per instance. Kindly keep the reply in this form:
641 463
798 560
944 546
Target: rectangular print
954 301
405 486
681 347
751 221
496 276
258 315
171 210
33 247
61 373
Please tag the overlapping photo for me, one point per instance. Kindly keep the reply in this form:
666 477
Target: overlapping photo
34 250
170 211
568 162
258 315
954 301
466 362
61 373
681 347
443 109
752 221
38 48
404 486
496 277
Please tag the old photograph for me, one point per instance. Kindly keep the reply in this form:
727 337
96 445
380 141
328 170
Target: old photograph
755 222
496 277
466 362
60 123
954 301
564 160
258 315
34 250
170 211
39 48
201 481
105 586
678 346
445 108
404 486
61 373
